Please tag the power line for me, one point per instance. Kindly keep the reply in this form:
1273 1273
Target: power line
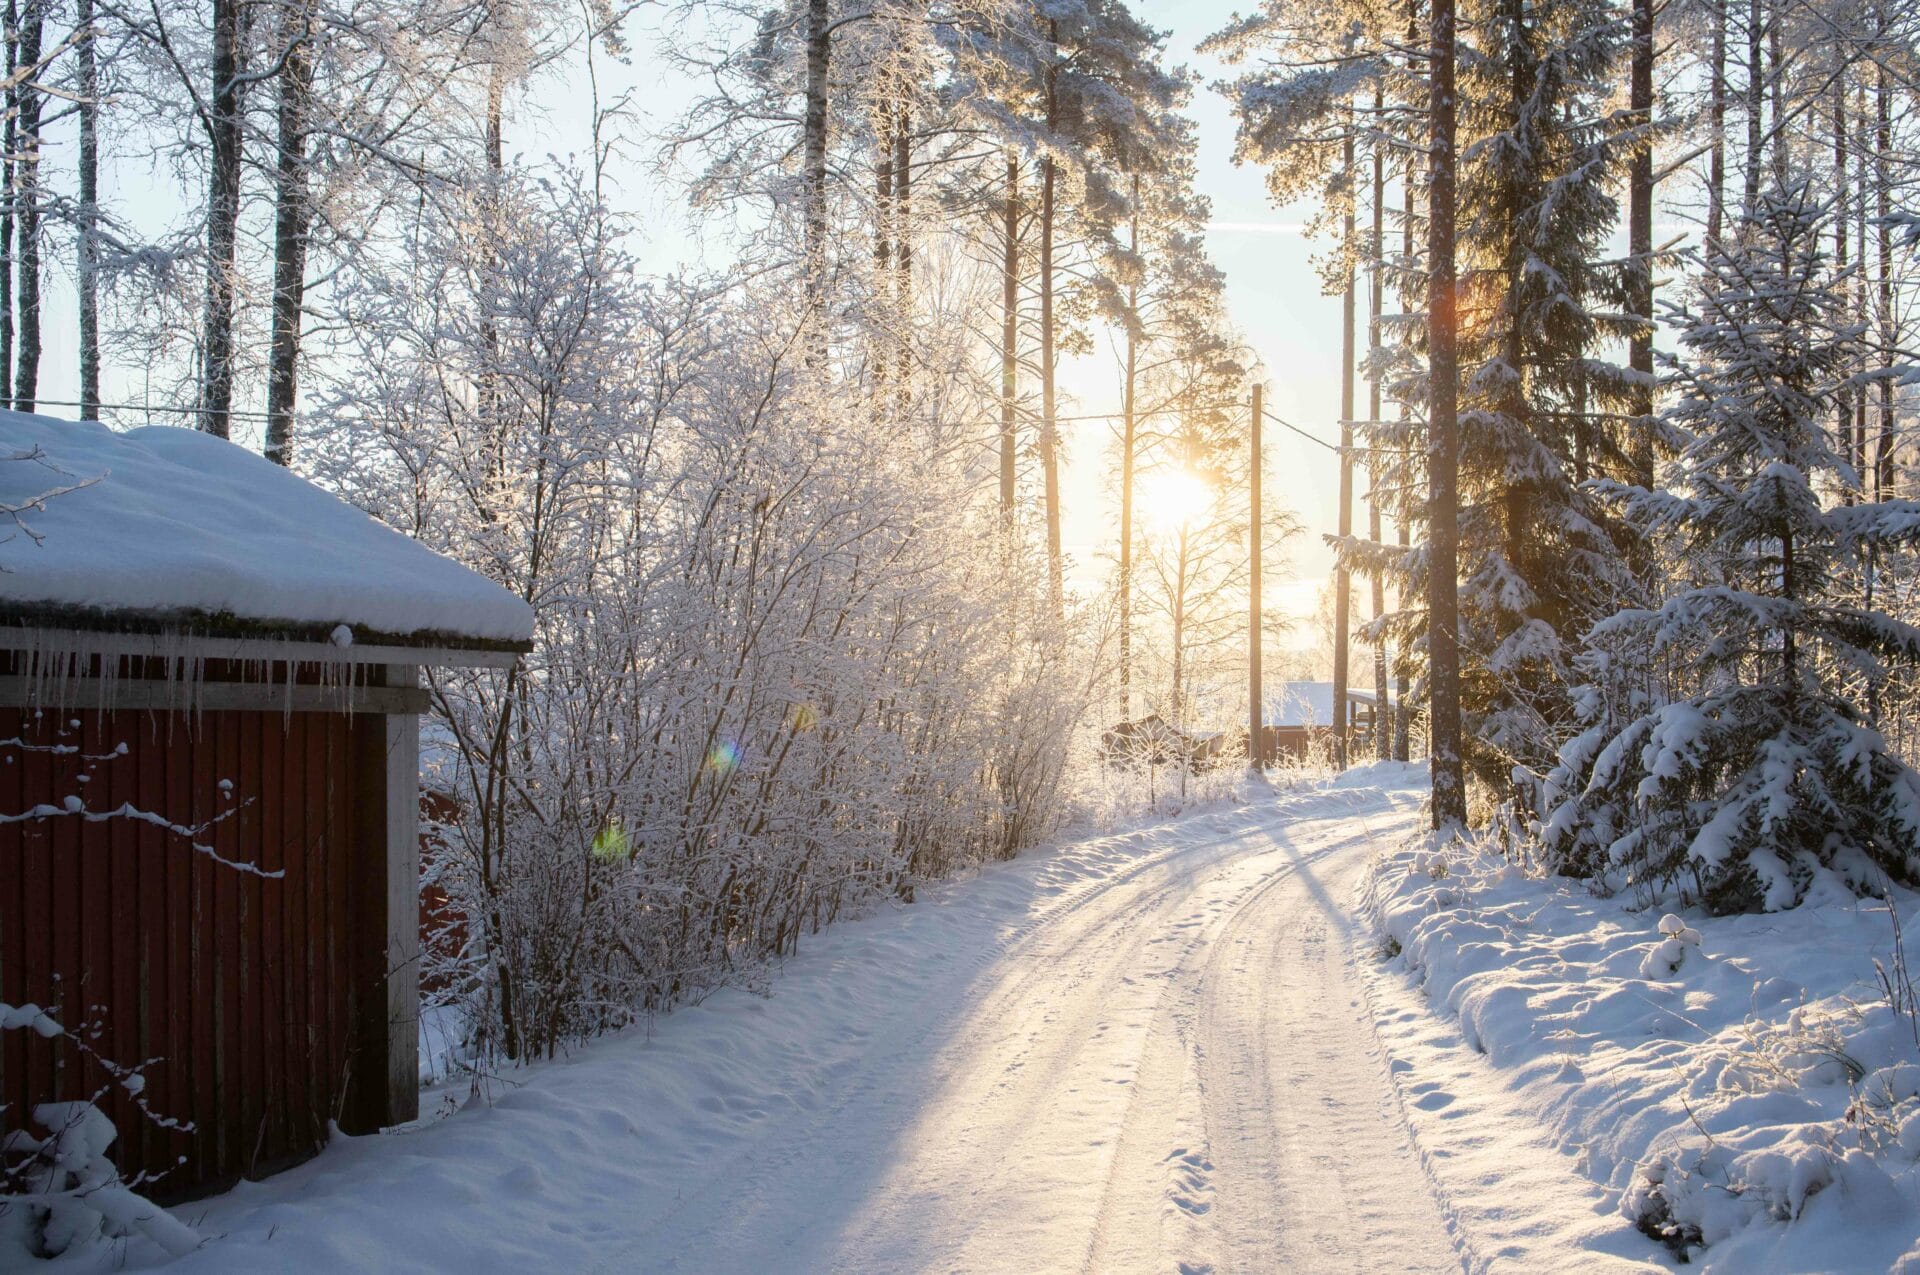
1287 424
154 407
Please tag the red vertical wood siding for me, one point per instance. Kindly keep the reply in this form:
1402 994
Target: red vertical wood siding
242 1001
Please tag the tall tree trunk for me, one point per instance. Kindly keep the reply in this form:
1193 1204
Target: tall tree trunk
1403 715
1049 424
1256 620
1883 256
1049 350
292 222
1862 182
1717 123
1782 148
814 159
1376 296
1178 697
1009 335
1843 398
883 240
1342 578
1640 245
487 393
1756 85
87 274
223 215
1443 435
8 215
26 372
903 247
1128 440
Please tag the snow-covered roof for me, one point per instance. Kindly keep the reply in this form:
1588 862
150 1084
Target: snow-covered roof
1307 704
173 528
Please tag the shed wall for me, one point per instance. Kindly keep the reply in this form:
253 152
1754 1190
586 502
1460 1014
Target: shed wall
251 1006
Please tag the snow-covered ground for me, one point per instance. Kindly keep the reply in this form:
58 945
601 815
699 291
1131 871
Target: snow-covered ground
1151 1051
1739 1082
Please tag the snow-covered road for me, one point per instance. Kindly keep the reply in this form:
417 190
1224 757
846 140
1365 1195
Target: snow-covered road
1169 1072
1148 1052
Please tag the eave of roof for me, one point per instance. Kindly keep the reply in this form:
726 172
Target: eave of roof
30 626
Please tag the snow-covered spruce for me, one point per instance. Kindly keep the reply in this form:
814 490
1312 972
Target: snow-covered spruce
1745 1091
1732 753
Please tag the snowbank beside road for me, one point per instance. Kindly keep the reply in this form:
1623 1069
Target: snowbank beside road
1739 1086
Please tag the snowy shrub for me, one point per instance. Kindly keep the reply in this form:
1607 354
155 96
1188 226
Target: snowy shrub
1666 956
773 680
59 1192
1768 773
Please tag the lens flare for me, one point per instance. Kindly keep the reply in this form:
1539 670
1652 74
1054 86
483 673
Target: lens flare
724 757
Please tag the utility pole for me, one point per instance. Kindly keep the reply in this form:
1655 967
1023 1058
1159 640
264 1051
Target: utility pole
1256 746
1342 584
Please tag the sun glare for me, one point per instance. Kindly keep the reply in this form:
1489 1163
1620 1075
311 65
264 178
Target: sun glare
1174 499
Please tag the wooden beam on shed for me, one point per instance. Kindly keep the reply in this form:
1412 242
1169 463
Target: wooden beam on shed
384 1089
153 695
174 646
403 902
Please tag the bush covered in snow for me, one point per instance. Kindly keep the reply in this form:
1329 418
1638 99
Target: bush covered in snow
1747 1091
60 1193
774 679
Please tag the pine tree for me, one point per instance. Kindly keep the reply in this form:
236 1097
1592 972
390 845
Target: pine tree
1770 774
1537 565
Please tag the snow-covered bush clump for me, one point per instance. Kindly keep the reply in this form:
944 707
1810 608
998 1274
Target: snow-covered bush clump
60 1193
1745 1088
1732 755
1665 957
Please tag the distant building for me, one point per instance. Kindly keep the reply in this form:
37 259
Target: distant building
209 804
1298 720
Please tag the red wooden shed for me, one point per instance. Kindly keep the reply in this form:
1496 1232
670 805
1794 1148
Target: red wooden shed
209 766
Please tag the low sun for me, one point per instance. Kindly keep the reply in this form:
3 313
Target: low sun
1173 499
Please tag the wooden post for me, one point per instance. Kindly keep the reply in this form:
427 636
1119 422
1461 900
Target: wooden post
1256 750
385 1085
1342 584
403 904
